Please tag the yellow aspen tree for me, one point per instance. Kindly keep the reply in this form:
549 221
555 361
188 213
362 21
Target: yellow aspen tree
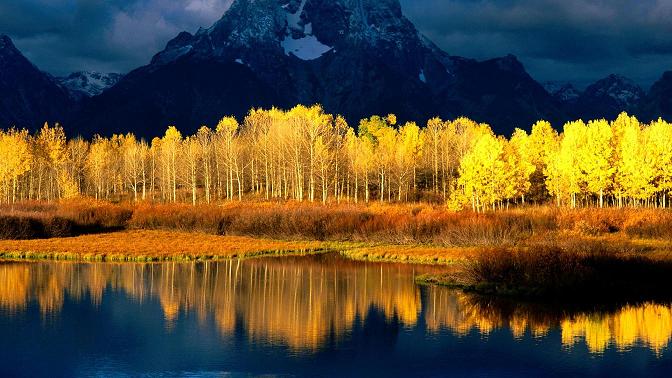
595 158
78 150
15 160
191 152
461 136
554 180
542 137
227 128
407 155
359 151
292 128
313 124
132 163
96 164
144 152
264 148
658 137
617 131
170 149
323 162
204 138
433 137
481 171
339 132
52 139
351 155
572 145
154 156
634 172
520 164
383 138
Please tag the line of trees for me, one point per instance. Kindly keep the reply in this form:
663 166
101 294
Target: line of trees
305 154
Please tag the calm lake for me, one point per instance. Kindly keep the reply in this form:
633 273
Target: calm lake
319 315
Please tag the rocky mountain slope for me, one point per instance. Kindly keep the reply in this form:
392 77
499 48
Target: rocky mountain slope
658 102
28 96
608 97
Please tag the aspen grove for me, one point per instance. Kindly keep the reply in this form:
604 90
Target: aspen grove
304 154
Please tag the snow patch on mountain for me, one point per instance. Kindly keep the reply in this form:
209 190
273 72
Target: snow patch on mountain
88 84
306 48
294 19
422 76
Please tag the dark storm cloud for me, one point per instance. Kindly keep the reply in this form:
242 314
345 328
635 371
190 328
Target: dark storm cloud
578 40
61 36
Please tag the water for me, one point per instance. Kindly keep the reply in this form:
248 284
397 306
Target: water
303 316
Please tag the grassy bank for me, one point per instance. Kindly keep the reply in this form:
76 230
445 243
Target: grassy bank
153 246
531 252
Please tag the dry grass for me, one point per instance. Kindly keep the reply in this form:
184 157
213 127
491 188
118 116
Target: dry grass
396 224
151 246
412 254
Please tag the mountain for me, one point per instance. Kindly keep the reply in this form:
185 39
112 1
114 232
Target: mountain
29 97
88 84
356 57
658 102
562 92
608 97
499 92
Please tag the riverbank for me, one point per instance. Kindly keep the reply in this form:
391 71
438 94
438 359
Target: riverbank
591 271
604 268
157 245
531 252
153 245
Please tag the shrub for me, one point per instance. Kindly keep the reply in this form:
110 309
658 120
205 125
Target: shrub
58 227
17 228
583 270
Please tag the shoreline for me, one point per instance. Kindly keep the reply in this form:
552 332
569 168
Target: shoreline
152 246
605 265
160 246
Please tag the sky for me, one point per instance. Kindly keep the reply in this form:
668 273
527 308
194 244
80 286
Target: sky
562 40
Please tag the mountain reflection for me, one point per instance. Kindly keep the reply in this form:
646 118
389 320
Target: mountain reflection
305 302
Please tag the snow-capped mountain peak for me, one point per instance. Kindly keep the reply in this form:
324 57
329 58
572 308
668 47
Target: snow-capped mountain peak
355 57
621 90
88 84
562 91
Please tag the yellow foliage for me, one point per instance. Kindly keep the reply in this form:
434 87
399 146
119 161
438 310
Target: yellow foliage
307 154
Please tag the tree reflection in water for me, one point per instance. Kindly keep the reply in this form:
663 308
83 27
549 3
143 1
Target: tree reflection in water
303 302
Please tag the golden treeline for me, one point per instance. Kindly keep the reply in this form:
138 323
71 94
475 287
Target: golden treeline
306 154
306 304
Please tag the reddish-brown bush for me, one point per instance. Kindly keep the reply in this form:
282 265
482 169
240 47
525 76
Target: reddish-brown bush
388 223
32 220
596 271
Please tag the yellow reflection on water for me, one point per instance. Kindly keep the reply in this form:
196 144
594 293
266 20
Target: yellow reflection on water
297 302
304 302
648 324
